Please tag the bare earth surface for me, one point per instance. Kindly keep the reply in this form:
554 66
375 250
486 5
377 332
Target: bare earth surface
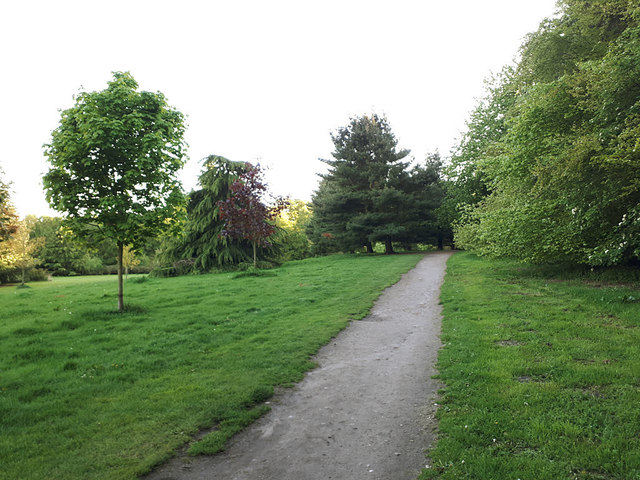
367 411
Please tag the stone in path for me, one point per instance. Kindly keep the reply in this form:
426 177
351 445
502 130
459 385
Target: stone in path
366 412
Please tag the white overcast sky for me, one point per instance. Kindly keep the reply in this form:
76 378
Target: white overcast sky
263 81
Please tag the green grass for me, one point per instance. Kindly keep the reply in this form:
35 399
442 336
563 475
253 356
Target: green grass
88 393
541 374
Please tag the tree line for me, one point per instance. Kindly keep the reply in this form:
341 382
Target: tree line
113 164
547 171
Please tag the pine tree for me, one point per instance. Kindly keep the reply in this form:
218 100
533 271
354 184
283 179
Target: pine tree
370 194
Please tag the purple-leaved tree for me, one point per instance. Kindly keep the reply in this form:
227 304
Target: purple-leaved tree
245 214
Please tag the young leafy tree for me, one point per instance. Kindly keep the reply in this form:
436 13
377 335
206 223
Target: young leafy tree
114 159
129 259
22 248
245 214
292 238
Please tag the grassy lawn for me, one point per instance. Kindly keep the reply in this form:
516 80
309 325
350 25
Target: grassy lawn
91 394
542 375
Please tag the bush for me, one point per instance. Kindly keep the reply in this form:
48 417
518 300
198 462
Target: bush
176 269
88 265
14 275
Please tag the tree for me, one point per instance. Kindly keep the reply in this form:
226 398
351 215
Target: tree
114 159
8 217
18 251
565 182
22 249
202 240
61 252
244 213
293 222
129 259
370 194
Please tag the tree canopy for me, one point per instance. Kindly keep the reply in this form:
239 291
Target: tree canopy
8 217
554 149
245 214
114 159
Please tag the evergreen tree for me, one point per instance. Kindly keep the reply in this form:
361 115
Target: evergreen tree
202 240
370 194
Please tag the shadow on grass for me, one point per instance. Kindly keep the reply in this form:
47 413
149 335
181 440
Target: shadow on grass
255 273
628 276
130 310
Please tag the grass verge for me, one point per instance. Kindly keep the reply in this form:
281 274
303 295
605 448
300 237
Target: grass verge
89 393
542 376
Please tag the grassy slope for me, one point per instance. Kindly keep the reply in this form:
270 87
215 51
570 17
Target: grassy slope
542 376
87 393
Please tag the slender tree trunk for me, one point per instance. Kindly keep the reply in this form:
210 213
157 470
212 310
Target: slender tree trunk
120 286
23 269
388 247
255 263
369 247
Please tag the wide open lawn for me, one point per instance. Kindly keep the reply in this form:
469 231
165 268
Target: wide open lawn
89 393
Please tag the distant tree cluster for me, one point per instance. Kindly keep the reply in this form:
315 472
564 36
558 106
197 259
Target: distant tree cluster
8 217
549 169
371 195
16 247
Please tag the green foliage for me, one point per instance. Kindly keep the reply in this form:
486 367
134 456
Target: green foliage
83 386
563 168
114 160
370 194
202 241
540 370
61 252
291 237
8 217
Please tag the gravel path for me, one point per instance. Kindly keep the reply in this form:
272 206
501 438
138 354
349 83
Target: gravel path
366 412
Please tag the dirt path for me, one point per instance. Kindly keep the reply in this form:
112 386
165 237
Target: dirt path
365 412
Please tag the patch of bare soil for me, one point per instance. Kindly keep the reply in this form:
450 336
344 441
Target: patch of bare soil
367 411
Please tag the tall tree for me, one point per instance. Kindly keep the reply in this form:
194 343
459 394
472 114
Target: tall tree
565 184
114 159
244 213
370 194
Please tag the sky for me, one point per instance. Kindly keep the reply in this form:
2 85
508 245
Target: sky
259 81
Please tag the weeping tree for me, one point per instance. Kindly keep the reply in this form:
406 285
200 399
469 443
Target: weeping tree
203 241
114 161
